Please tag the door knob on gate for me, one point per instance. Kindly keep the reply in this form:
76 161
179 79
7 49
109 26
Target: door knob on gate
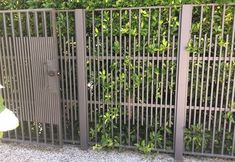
51 73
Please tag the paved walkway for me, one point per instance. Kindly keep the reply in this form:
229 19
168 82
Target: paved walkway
33 153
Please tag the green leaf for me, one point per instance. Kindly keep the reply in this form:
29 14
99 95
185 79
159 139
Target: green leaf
102 74
2 107
97 147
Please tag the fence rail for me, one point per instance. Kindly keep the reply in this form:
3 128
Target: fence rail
159 75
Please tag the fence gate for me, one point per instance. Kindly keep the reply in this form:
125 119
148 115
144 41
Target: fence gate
29 71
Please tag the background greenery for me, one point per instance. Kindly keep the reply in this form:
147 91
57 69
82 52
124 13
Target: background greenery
89 4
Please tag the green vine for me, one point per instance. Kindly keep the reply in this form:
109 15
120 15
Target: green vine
104 130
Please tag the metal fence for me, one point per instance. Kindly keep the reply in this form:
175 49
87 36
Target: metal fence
30 93
163 75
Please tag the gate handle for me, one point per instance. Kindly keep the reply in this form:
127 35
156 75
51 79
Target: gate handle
51 75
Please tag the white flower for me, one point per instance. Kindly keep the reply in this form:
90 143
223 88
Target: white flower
8 120
1 86
90 85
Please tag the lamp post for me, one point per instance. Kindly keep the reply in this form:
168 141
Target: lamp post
8 120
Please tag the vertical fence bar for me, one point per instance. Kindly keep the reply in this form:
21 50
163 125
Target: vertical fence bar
81 74
182 79
54 34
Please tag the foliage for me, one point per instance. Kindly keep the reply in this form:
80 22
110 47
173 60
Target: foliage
147 147
106 126
132 78
91 4
104 130
198 138
229 116
194 135
1 104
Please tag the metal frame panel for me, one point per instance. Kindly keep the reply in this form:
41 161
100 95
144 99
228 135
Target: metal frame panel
30 41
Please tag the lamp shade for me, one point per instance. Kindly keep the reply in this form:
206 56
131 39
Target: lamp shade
8 120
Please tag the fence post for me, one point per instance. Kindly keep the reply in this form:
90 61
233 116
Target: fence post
81 75
182 79
54 34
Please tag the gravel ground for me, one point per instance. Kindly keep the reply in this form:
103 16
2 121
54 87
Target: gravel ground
34 153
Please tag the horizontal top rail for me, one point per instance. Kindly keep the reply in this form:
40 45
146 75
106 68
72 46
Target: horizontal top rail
161 6
212 4
118 8
150 7
66 10
136 8
27 10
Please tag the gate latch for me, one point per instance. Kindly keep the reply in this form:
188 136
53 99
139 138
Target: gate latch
52 81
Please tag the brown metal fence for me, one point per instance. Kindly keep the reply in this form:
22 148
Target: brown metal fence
162 75
126 77
210 103
68 66
32 88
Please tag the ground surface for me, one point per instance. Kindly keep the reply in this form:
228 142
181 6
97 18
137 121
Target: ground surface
33 153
